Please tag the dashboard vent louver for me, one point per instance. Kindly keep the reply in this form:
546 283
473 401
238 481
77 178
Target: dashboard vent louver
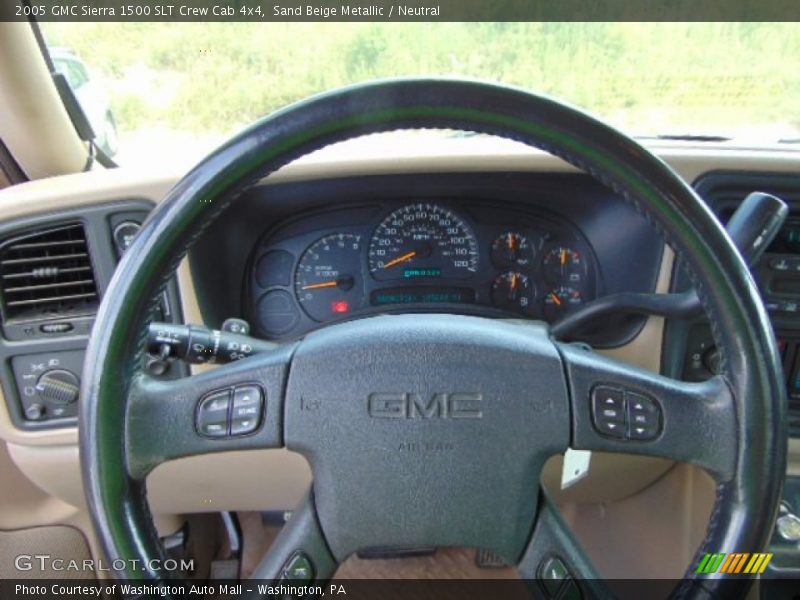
726 198
47 273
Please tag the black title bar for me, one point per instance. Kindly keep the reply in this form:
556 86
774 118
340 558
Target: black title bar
393 10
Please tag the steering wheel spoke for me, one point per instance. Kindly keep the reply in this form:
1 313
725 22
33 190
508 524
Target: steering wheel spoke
232 407
620 408
299 555
556 560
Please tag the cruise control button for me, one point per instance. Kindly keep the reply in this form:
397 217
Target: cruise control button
640 403
212 414
247 402
553 573
616 430
214 429
299 568
638 432
643 420
644 417
242 426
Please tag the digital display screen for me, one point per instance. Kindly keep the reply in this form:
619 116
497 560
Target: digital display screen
422 295
414 273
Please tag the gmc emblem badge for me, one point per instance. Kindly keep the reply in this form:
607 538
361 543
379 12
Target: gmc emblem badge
414 406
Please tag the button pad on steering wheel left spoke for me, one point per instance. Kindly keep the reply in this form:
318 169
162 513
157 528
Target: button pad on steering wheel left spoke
230 411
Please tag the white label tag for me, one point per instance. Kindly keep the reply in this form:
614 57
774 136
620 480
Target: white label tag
576 467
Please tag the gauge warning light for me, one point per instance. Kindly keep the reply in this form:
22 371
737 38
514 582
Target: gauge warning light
340 306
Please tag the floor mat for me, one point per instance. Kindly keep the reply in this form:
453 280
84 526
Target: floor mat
56 542
446 563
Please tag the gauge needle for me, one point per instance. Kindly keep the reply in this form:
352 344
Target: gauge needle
555 298
325 284
400 259
511 242
512 290
563 257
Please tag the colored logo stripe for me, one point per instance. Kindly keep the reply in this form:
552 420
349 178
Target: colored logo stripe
710 563
759 562
737 562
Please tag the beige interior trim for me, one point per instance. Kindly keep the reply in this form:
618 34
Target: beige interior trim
673 514
690 162
28 504
640 351
40 134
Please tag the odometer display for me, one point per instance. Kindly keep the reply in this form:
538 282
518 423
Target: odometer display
423 240
422 295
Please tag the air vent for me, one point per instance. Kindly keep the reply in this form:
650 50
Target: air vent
725 192
46 274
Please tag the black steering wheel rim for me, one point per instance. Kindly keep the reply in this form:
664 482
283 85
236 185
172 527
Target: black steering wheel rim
746 502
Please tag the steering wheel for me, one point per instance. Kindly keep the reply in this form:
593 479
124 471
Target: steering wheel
433 429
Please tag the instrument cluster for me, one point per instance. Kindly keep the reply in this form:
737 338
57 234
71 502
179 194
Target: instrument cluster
419 257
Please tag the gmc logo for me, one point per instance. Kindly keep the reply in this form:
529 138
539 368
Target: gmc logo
414 406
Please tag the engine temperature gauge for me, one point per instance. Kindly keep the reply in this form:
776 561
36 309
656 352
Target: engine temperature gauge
513 291
561 300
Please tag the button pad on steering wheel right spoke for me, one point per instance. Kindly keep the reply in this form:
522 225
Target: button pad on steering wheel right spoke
624 414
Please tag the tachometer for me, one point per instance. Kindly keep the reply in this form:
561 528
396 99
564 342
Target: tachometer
328 279
422 241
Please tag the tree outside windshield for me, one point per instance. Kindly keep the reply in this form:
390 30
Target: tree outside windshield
177 90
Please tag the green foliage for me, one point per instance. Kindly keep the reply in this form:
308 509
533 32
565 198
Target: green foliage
667 77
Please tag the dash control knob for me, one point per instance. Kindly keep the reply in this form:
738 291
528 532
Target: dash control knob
34 412
59 386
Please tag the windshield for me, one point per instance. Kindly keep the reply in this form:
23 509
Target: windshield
157 92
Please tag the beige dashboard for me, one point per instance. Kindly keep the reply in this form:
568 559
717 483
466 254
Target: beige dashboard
274 479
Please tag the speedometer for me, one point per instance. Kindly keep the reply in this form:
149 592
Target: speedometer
422 241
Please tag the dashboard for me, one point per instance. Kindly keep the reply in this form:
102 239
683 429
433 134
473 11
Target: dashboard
291 213
505 245
420 256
